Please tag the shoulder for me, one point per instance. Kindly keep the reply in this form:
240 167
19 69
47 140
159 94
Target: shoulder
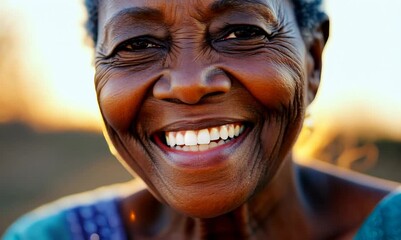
341 196
329 179
81 214
385 220
37 225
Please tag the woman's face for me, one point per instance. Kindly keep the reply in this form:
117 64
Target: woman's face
203 99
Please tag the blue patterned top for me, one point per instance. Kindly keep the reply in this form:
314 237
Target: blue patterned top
91 221
102 220
385 221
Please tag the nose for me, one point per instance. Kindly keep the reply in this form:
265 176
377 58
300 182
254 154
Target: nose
191 82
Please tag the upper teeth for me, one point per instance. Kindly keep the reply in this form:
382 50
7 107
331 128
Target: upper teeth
203 136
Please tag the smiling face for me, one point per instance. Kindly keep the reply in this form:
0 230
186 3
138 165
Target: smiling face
202 99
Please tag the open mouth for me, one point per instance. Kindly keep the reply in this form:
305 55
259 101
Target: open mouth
202 139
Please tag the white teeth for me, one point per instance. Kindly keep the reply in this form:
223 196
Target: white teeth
223 132
179 138
194 148
236 130
168 141
231 130
190 138
203 147
171 139
214 134
203 136
204 139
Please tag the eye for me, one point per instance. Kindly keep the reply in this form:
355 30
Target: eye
138 44
243 32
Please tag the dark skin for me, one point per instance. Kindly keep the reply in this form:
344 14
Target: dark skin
178 66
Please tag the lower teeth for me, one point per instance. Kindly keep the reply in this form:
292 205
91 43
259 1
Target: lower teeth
200 148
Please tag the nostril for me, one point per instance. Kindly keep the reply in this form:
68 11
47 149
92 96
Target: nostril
190 87
174 100
204 97
213 94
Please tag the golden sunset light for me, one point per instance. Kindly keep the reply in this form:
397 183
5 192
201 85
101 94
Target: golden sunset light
203 104
361 78
54 64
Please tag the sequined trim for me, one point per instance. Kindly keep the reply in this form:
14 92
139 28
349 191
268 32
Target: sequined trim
97 221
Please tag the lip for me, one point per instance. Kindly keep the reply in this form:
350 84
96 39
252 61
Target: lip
201 159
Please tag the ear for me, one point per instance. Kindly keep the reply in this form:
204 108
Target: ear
315 45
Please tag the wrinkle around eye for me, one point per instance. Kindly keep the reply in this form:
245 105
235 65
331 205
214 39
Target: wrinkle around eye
239 46
137 60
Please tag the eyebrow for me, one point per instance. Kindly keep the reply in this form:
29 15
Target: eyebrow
134 13
129 16
219 4
146 13
248 5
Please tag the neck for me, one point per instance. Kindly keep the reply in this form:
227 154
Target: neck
277 206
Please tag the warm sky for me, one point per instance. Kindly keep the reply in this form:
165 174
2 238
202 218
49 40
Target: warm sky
361 82
362 78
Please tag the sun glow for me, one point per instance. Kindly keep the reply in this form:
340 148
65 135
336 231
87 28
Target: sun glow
360 89
54 66
359 95
361 78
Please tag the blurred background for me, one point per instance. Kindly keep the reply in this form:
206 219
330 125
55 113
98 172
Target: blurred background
50 130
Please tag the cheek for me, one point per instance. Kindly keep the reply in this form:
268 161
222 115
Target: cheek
120 97
274 85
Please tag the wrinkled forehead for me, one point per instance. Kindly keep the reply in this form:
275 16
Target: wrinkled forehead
173 10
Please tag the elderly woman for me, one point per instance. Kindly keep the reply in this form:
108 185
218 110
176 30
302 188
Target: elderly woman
203 100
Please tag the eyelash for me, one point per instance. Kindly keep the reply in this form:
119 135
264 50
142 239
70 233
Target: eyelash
230 32
138 44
